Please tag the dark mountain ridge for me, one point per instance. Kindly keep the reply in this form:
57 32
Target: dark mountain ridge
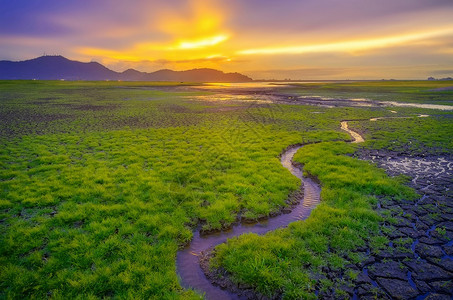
59 67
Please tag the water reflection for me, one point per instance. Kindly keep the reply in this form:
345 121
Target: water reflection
244 85
278 92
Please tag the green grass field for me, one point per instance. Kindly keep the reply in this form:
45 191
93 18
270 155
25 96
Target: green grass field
102 182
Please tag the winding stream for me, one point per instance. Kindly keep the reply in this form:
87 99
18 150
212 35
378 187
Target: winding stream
187 261
357 137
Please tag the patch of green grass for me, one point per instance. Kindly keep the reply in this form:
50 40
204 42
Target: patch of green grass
419 136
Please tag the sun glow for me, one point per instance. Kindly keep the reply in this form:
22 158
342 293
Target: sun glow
191 38
202 43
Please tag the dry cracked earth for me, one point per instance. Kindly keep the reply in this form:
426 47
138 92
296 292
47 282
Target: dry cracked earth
418 263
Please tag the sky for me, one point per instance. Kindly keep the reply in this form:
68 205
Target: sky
265 39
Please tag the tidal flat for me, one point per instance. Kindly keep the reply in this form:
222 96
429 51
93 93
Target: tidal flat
102 183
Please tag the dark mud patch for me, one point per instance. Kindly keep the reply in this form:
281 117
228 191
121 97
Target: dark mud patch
223 109
220 277
45 100
442 89
27 121
87 107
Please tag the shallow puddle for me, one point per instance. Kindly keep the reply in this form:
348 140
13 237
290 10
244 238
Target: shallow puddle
417 105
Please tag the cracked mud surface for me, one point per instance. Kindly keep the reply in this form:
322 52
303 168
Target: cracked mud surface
418 263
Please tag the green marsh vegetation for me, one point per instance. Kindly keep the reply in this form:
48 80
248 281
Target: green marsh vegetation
414 136
101 182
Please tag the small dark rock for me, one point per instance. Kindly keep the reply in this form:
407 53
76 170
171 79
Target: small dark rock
363 278
425 250
438 297
368 261
390 269
286 210
448 250
384 254
402 222
442 286
421 226
248 295
447 216
402 254
398 289
411 232
348 289
422 286
446 264
420 211
78 224
364 289
430 241
427 272
394 234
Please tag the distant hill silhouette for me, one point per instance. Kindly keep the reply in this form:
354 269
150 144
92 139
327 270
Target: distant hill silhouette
59 67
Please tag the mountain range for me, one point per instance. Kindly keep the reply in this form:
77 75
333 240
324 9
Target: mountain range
57 67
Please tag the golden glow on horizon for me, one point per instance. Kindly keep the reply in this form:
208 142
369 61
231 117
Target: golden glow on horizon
209 50
137 55
350 46
202 43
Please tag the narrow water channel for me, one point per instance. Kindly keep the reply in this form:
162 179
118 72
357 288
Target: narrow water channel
187 261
